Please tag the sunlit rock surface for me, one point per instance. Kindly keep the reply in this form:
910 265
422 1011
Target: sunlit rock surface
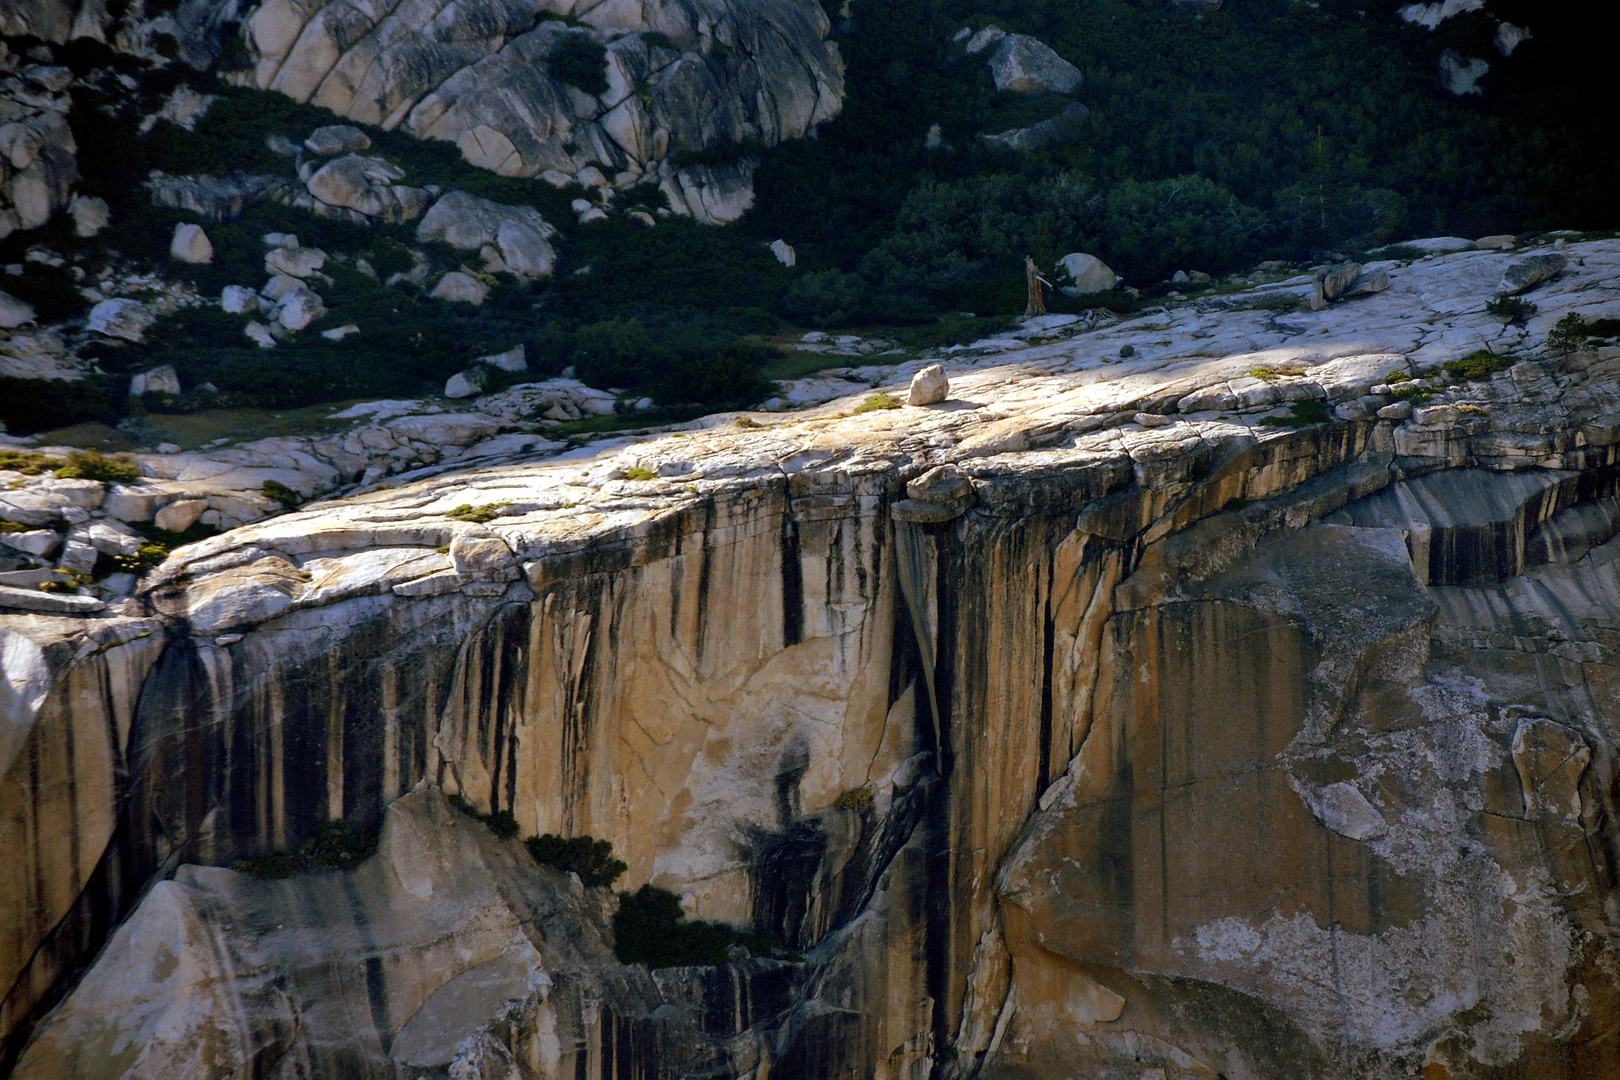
1192 748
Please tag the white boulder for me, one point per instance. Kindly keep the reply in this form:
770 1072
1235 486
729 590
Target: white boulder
14 312
299 308
929 386
460 288
337 139
191 245
468 223
122 318
160 380
298 262
784 253
238 300
513 359
1022 64
1087 274
466 384
90 215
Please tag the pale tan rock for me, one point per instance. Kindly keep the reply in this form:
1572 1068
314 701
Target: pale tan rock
180 516
191 245
929 386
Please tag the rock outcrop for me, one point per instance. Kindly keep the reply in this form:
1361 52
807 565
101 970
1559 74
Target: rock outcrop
1248 741
37 166
679 75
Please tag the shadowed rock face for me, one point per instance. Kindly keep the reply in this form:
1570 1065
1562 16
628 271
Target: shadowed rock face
1200 749
681 74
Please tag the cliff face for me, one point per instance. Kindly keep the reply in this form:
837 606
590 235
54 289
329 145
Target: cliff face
642 81
1181 745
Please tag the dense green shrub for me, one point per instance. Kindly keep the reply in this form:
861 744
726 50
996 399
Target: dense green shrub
825 298
591 859
281 493
580 61
1478 366
650 928
336 845
94 465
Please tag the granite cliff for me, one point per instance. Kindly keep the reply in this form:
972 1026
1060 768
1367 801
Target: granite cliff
647 82
1242 708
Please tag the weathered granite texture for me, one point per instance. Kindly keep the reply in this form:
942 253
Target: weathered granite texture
1188 748
682 74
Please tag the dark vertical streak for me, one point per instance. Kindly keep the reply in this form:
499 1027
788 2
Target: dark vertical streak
792 583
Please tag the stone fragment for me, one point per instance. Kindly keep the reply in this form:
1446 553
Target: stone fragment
77 555
130 504
513 359
1526 273
298 262
482 555
1345 810
1153 420
299 308
1022 64
179 516
191 245
90 215
929 386
238 300
37 542
338 333
121 318
468 223
1499 242
337 139
1399 410
14 312
159 380
48 603
943 483
1087 274
460 288
466 384
260 335
784 253
1336 280
280 285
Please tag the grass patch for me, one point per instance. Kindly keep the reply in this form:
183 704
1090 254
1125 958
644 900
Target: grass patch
478 515
68 581
650 928
1417 395
857 800
94 465
879 402
276 491
591 859
1272 374
638 473
1301 414
336 845
28 462
1478 366
798 365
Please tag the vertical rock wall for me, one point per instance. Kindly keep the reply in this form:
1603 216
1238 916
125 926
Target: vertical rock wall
1118 771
